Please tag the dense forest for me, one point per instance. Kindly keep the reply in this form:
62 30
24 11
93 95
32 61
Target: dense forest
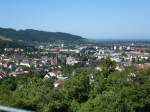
11 44
39 36
87 90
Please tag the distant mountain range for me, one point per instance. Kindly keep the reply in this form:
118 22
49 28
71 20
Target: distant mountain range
30 35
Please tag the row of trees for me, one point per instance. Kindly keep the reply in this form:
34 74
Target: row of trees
87 90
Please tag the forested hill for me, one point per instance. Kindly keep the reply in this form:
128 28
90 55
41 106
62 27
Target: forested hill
10 44
40 36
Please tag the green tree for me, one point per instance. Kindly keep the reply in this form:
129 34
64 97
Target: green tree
107 66
77 87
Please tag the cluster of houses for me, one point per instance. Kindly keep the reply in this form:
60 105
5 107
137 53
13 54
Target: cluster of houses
50 60
16 64
126 56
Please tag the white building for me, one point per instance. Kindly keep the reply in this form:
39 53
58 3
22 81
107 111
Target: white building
71 61
25 64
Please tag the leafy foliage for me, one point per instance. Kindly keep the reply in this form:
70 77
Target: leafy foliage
85 91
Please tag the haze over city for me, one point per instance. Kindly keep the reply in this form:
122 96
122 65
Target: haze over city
95 19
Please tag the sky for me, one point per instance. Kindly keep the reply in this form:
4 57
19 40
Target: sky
95 19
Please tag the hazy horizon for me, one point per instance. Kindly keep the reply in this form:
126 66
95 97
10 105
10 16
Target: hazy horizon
131 37
93 19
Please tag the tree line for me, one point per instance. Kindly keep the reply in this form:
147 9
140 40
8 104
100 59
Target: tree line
87 90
